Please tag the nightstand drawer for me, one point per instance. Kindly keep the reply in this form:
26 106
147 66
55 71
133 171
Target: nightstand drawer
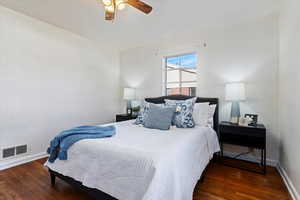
243 140
124 117
252 132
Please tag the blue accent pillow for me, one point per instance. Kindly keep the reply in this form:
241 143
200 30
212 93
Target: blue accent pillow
183 117
159 117
144 112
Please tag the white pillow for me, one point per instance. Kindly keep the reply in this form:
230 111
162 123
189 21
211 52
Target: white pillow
201 114
211 112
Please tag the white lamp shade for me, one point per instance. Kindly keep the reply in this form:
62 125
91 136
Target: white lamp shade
235 92
129 93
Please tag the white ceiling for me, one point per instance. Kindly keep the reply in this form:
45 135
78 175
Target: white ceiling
133 28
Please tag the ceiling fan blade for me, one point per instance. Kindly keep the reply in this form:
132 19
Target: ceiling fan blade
109 15
140 5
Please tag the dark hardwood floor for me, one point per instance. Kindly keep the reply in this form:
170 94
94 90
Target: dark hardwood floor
31 182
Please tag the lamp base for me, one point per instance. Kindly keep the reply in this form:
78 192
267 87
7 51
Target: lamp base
235 112
128 108
234 120
129 111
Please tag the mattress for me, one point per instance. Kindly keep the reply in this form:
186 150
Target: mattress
140 163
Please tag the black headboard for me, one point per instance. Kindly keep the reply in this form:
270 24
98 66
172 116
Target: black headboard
159 100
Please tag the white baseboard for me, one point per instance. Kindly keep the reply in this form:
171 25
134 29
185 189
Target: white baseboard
292 190
270 162
5 164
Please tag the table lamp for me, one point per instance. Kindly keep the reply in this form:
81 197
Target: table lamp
235 92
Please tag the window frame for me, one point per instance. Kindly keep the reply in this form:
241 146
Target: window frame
165 70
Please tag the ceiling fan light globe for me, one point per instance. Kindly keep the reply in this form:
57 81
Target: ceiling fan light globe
107 2
118 2
121 6
110 9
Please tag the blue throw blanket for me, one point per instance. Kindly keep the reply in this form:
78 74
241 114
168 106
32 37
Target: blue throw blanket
62 142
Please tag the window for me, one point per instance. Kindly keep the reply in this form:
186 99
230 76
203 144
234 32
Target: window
181 74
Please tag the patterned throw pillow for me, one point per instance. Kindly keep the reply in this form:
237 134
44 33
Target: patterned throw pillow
144 112
183 117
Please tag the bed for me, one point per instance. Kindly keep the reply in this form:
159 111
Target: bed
140 163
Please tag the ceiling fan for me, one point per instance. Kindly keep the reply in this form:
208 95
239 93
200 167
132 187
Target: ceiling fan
111 7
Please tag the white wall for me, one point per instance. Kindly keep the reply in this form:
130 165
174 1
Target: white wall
247 53
51 80
289 78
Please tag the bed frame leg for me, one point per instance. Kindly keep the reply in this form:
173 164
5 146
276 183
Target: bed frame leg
52 176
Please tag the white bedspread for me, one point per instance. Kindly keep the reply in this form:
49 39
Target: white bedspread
140 163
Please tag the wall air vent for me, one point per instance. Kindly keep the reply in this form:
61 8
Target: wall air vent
8 152
13 151
21 149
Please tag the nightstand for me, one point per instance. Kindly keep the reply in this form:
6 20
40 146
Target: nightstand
247 136
124 117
